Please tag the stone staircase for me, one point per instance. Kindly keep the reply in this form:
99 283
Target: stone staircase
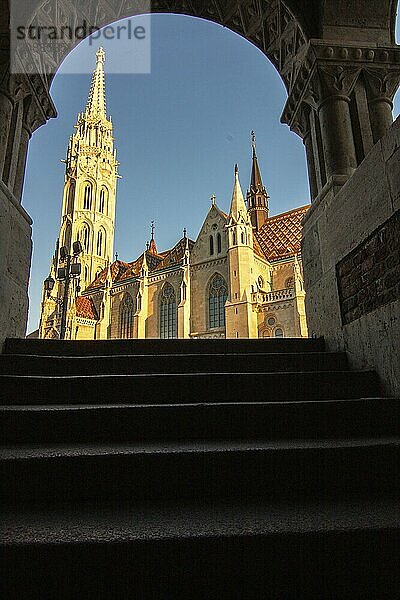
196 469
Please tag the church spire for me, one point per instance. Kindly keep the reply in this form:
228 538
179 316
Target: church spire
257 197
96 104
152 245
238 207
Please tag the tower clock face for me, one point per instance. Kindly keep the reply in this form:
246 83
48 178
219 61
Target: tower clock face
88 164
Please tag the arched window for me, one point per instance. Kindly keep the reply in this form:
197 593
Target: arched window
87 197
219 243
101 242
234 237
71 198
103 202
266 333
85 238
168 313
67 236
242 237
126 312
278 332
211 245
217 295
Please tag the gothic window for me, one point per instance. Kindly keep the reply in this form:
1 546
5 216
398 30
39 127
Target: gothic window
234 238
217 296
67 236
168 313
266 333
127 311
103 208
71 197
278 332
242 237
219 243
87 197
211 245
85 238
101 239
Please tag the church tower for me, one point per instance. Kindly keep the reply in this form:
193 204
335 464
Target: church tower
88 212
89 198
257 197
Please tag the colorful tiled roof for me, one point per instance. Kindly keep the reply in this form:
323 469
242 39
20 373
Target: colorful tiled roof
174 256
85 308
280 236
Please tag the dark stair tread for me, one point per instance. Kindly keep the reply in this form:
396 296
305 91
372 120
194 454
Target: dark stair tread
111 522
34 364
156 346
32 452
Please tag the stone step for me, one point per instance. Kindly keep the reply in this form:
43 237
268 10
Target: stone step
224 551
119 347
21 364
276 470
183 388
62 424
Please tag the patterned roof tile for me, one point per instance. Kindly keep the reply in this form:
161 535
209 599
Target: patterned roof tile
281 235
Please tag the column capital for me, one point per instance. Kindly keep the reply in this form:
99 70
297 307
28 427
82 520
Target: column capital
331 70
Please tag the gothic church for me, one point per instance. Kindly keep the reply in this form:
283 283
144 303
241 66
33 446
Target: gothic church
241 278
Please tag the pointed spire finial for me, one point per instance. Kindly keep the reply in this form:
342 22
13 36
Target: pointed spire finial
184 232
96 104
213 199
237 170
101 55
116 256
253 142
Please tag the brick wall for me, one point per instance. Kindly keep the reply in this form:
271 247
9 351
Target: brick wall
369 277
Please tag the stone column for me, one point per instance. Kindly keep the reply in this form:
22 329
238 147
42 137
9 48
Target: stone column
381 116
6 109
22 156
337 136
381 86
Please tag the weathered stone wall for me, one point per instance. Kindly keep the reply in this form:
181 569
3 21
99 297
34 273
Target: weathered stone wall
351 263
15 253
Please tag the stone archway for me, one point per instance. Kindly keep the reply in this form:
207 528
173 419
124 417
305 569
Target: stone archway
337 59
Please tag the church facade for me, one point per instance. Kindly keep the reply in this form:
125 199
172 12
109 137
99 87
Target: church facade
241 278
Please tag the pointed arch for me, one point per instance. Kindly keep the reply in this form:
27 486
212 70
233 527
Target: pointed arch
219 243
211 241
101 242
217 296
103 200
84 237
71 197
168 313
87 195
126 314
67 236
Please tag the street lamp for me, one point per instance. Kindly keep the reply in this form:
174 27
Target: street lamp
71 270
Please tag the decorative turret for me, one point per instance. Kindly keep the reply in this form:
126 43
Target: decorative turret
257 197
241 321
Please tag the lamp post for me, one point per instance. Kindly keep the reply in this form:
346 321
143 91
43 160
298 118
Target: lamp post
71 270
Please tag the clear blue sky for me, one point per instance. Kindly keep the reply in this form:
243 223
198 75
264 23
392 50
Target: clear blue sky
179 131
